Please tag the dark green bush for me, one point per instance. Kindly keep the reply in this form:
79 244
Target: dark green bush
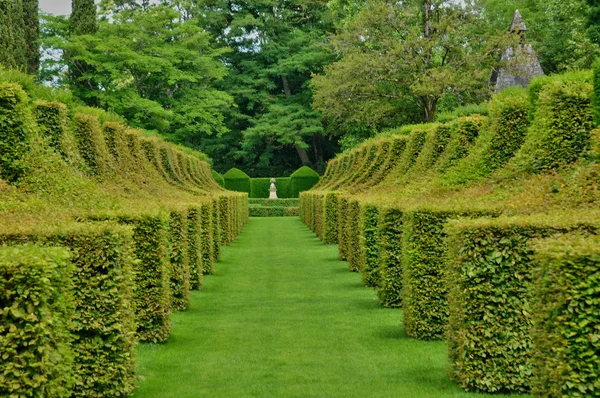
565 309
16 125
303 179
36 292
389 287
488 276
195 249
51 118
237 180
268 211
179 255
218 178
292 202
370 243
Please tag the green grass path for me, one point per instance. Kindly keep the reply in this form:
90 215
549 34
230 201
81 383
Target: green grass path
282 317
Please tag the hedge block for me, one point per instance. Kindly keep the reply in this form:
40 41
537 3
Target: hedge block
237 180
180 269
330 218
195 252
36 292
389 287
303 179
16 124
565 308
370 244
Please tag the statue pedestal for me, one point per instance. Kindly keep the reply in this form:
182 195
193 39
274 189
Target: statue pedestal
273 195
272 190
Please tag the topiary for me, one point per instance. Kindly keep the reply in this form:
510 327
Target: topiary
237 180
303 179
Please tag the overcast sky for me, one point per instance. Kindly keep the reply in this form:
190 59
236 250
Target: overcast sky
57 7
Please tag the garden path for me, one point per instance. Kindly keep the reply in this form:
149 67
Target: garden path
283 317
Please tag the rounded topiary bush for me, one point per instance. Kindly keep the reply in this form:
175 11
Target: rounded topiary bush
237 180
303 179
218 178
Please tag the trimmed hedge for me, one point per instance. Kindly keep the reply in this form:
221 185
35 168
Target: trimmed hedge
237 180
216 237
195 248
389 287
260 187
91 145
291 202
179 256
303 179
370 243
354 250
565 309
102 327
207 240
488 276
560 131
36 292
16 125
330 218
343 230
269 211
218 178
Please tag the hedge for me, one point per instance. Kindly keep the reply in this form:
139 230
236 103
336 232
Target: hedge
389 287
179 256
565 309
92 146
291 202
397 147
152 294
36 291
196 235
330 218
343 229
354 250
207 241
216 236
382 150
370 245
488 275
260 187
303 179
102 327
237 180
414 144
218 178
16 124
560 131
268 211
464 133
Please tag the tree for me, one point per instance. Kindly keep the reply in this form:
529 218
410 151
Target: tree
396 56
31 30
13 47
83 21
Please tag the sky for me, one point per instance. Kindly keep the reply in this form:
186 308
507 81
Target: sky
57 7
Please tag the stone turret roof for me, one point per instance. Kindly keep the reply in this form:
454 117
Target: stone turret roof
517 24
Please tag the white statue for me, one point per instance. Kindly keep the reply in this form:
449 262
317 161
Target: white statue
272 190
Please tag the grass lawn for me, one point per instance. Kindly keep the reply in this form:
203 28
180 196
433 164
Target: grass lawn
282 317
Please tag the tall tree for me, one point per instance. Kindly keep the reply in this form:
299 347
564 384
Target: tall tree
13 46
396 56
83 21
31 26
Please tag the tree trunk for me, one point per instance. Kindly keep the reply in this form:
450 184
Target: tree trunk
286 87
318 147
430 106
303 155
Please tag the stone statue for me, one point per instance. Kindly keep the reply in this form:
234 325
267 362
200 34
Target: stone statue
272 190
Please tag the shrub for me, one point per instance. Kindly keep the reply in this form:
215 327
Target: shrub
488 276
565 312
343 230
237 180
291 202
395 152
353 248
560 131
102 328
218 178
16 124
389 287
370 243
464 133
330 218
179 256
195 251
207 241
260 187
92 146
37 299
383 149
303 179
216 235
269 211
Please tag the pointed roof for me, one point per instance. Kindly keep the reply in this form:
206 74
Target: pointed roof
517 24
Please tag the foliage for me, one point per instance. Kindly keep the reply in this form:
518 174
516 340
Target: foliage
389 286
302 179
237 180
194 244
260 187
37 296
16 124
370 244
179 272
564 310
218 178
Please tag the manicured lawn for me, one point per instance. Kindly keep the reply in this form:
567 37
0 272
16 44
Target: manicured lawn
282 317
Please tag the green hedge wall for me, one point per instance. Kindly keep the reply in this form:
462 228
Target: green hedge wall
343 230
179 256
218 178
16 124
290 202
489 276
237 180
303 179
260 187
370 243
36 292
565 309
195 247
560 131
207 240
102 327
152 295
268 211
91 145
330 218
389 287
216 236
353 248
